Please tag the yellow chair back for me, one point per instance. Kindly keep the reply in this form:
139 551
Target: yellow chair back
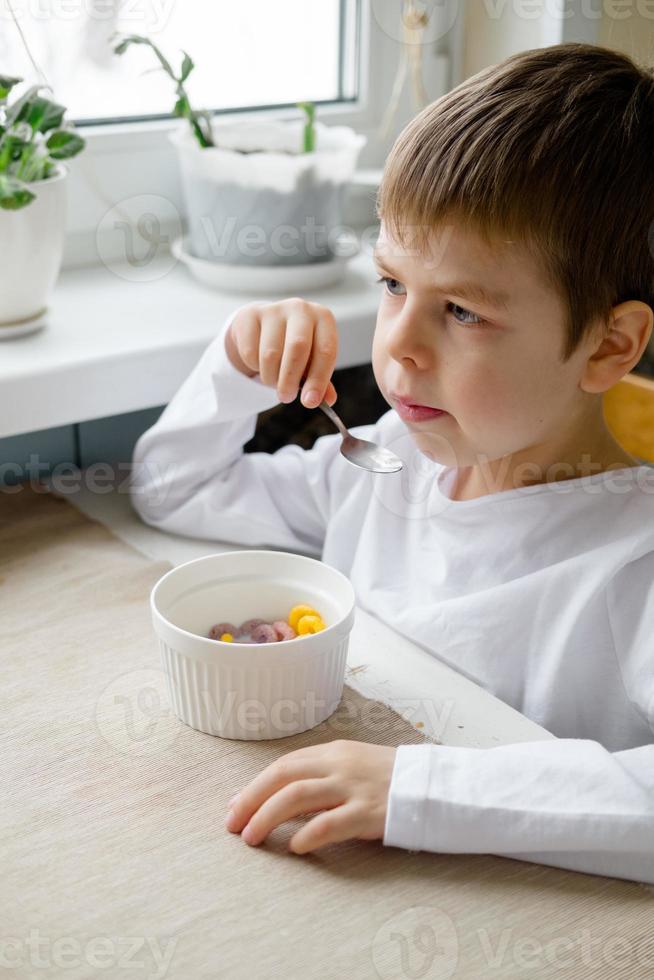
629 414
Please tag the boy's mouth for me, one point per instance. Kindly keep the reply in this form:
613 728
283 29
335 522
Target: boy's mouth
413 412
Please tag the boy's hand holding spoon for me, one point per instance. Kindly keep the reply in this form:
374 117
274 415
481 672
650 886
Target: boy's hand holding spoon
291 344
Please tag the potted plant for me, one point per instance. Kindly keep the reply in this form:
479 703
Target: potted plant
33 143
258 193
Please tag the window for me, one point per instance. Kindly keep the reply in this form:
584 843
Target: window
246 54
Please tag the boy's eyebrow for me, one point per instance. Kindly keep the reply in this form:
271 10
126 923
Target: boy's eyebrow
469 290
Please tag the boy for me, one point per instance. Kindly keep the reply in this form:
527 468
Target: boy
518 287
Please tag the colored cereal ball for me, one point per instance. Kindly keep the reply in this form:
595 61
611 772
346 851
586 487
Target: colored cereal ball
263 633
227 638
215 633
310 624
297 612
249 625
283 630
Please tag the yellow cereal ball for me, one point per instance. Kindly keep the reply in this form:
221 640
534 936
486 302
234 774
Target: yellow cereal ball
298 611
309 624
227 637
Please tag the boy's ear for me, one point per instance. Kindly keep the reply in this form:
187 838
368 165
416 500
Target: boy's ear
621 348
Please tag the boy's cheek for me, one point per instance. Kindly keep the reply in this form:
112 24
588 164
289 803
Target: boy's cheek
499 394
480 397
384 368
494 415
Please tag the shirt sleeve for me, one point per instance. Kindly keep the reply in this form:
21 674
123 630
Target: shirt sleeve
565 802
190 475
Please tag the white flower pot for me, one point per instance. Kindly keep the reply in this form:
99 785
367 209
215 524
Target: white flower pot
31 246
271 205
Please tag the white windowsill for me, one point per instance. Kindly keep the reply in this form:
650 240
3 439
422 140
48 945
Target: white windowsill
112 345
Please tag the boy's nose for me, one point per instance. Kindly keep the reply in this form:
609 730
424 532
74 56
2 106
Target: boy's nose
406 343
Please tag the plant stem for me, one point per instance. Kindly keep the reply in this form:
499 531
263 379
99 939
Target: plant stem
37 69
309 131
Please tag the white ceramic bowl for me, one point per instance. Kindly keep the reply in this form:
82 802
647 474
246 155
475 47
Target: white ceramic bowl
252 690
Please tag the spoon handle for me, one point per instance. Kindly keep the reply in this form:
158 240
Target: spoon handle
330 413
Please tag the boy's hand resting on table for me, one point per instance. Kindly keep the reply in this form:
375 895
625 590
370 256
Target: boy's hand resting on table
348 780
284 342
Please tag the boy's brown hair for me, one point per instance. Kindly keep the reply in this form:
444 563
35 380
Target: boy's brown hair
553 147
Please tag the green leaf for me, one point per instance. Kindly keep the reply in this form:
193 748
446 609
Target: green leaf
187 67
10 150
130 39
22 132
64 144
12 146
41 114
28 166
127 40
20 106
182 108
14 194
53 117
7 82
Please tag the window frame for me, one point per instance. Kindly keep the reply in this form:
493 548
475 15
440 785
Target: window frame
349 29
126 159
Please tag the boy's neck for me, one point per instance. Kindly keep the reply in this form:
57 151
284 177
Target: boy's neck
535 466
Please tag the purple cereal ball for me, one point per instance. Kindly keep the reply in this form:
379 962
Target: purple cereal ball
284 630
217 631
249 625
263 633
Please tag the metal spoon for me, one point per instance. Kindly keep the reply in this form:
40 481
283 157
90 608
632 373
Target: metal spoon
361 452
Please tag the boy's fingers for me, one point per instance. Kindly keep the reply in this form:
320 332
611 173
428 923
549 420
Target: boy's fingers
331 827
323 359
231 349
299 765
271 345
246 331
330 394
305 796
297 349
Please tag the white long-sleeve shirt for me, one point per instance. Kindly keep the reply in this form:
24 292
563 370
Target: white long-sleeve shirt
543 595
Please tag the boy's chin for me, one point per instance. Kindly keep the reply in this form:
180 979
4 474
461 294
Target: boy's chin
437 448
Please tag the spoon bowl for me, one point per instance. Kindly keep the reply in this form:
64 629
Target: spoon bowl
361 452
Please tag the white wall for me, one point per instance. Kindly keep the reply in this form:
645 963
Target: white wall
494 29
634 35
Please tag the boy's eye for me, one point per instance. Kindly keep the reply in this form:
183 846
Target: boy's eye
459 313
466 313
388 280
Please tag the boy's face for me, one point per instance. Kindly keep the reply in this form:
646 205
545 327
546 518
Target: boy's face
492 365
